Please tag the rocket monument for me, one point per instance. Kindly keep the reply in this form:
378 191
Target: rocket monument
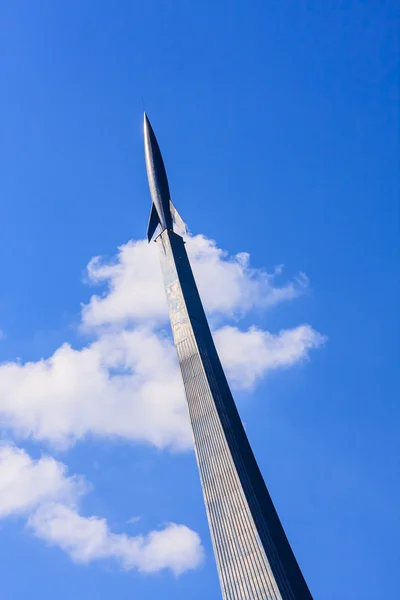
254 558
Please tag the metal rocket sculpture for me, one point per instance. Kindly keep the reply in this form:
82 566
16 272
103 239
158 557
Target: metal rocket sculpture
163 213
253 555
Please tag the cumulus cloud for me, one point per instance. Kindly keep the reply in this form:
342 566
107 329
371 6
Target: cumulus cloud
126 382
134 287
248 355
228 284
43 492
25 483
176 547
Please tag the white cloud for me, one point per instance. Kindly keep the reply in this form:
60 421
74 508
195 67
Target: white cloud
126 382
228 284
49 498
134 287
176 547
25 483
248 355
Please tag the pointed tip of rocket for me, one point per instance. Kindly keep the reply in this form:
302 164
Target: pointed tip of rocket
146 125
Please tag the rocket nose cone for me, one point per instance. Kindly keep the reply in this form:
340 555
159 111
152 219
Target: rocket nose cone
145 122
148 131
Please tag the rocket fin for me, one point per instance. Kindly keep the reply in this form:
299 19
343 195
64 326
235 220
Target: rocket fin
177 218
154 221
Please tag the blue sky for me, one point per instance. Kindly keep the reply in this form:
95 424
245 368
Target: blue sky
278 125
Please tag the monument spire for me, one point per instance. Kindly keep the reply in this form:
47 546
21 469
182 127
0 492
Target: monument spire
253 556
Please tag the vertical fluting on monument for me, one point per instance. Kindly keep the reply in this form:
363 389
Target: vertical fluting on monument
253 556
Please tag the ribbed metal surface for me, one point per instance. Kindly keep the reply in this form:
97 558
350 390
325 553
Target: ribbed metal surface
253 556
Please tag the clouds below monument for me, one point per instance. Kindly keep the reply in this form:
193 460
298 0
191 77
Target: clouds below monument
111 388
41 492
108 388
248 355
125 383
